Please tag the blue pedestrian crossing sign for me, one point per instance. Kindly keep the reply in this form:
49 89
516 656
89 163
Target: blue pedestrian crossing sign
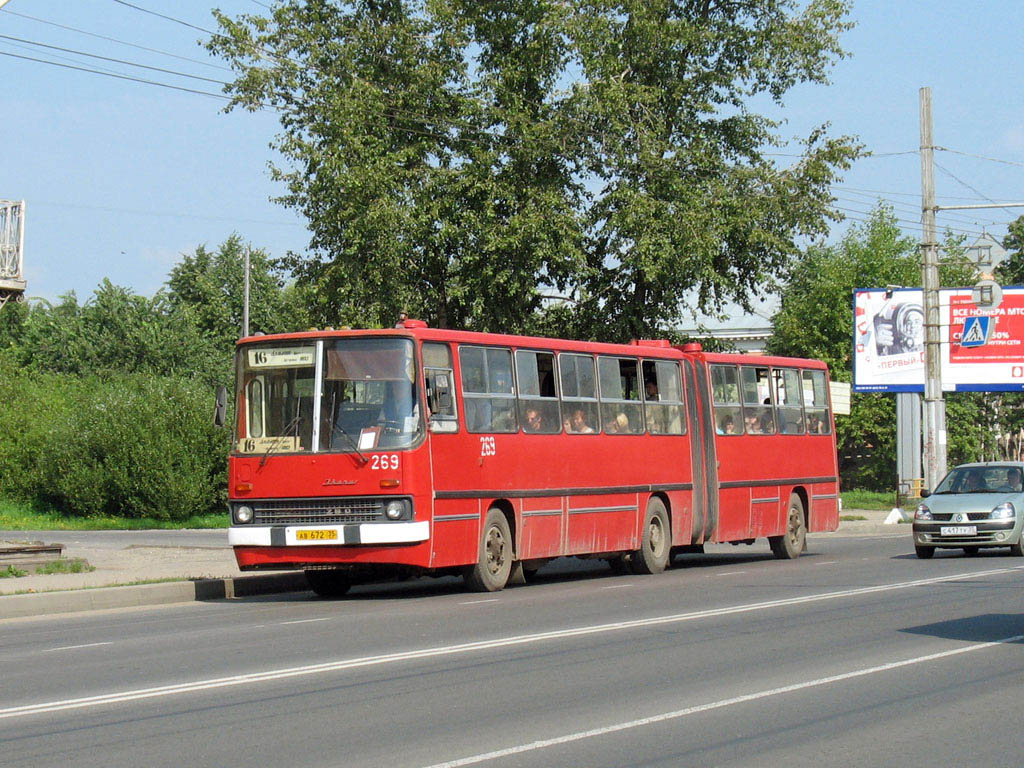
976 331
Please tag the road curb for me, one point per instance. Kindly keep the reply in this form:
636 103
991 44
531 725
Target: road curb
138 595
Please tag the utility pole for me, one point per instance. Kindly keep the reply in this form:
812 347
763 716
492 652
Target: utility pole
245 297
934 416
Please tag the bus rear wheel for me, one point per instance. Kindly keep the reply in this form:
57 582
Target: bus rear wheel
655 540
789 545
328 582
494 563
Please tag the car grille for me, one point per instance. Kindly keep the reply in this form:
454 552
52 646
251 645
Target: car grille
317 511
971 516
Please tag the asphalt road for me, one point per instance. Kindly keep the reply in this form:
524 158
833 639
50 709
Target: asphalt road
856 654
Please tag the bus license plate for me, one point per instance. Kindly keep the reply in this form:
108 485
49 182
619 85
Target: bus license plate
320 535
958 530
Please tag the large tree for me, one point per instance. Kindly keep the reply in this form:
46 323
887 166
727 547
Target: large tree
464 159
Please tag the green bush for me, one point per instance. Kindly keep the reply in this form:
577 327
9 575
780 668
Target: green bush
128 445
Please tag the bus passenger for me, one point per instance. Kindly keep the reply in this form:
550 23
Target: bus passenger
813 424
622 420
579 424
534 421
752 424
611 426
727 426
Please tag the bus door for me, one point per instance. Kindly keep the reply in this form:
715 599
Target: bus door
702 449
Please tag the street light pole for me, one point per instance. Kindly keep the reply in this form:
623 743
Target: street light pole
934 416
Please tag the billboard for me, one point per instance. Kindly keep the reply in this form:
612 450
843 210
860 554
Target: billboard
982 350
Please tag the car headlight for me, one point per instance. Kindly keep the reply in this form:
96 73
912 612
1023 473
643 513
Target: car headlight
1004 511
243 514
396 509
922 512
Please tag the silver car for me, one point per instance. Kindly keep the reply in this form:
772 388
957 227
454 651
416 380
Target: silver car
975 505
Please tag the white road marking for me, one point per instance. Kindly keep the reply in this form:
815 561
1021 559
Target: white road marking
676 714
480 645
618 586
75 647
826 562
726 573
477 602
303 621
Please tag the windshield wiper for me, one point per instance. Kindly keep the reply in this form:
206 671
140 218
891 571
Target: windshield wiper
284 433
353 443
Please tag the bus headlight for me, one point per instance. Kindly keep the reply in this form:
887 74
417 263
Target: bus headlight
243 514
922 513
1004 511
396 509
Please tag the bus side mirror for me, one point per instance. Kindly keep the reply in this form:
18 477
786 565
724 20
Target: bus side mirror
220 411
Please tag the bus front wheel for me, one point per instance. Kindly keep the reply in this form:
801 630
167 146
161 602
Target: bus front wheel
791 543
655 541
494 563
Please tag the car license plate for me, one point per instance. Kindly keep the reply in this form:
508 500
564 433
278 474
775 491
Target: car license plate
958 530
319 535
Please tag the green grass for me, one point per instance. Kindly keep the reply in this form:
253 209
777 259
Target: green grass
852 518
860 499
15 516
74 565
10 572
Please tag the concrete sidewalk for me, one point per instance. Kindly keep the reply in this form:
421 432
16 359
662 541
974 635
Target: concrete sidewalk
192 565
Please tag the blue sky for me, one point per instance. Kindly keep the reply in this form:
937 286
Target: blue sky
121 179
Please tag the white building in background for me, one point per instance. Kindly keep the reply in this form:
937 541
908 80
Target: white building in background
743 331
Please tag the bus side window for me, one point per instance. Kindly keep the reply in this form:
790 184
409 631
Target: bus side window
788 401
579 394
621 409
488 394
758 413
538 395
816 403
440 383
663 398
725 391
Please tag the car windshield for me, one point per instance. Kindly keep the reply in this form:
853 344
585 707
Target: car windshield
988 479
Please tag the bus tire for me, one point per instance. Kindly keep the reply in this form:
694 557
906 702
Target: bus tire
494 563
789 545
655 540
328 582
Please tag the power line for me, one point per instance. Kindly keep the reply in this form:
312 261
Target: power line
162 16
980 157
119 77
116 61
960 181
120 42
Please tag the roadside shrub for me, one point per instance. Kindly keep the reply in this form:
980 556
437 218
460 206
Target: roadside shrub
129 445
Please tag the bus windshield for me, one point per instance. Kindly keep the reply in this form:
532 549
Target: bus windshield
367 396
275 398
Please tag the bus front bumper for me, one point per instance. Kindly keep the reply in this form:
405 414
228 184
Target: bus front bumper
330 535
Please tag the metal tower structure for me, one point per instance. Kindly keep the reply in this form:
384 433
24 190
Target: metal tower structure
12 246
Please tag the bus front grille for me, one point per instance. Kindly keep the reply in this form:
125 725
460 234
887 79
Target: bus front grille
317 511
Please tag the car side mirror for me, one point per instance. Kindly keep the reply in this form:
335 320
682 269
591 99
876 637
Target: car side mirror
925 493
220 411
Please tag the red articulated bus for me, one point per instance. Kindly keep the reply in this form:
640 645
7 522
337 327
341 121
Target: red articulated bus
360 454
